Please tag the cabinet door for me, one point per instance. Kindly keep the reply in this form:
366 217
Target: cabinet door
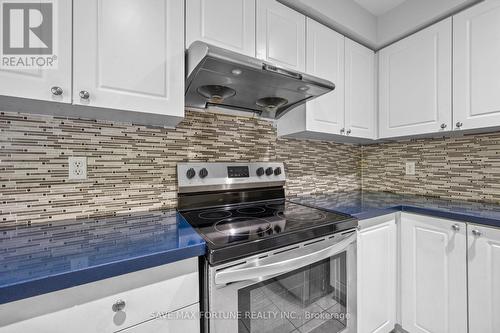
226 23
184 320
129 55
281 35
433 275
325 59
359 90
476 64
377 275
484 277
38 83
415 83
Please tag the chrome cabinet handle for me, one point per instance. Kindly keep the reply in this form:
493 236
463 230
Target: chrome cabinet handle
342 130
459 124
84 94
476 232
455 227
349 131
443 126
56 91
119 305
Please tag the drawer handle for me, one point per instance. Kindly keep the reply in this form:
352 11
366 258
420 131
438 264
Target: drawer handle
118 306
476 233
455 227
56 91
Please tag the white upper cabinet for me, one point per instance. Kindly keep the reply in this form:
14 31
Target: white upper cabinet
324 115
433 275
360 116
377 257
49 84
129 55
484 277
229 24
476 66
281 35
325 59
415 83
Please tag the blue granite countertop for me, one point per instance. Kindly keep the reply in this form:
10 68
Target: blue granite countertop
365 205
52 256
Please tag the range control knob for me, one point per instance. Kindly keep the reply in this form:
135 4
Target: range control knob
190 173
269 171
203 173
277 171
260 171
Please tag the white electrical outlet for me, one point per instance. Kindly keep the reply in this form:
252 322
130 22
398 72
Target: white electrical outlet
410 168
77 168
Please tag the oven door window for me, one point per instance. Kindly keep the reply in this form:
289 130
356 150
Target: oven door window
310 299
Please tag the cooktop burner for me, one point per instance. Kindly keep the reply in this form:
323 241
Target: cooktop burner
238 226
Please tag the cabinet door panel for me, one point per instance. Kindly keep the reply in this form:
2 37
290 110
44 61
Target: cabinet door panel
225 23
476 64
359 90
484 277
129 55
37 83
178 321
433 275
415 83
281 35
325 58
377 276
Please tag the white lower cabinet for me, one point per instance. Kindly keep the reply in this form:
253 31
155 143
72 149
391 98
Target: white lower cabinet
131 301
484 279
175 322
377 274
433 275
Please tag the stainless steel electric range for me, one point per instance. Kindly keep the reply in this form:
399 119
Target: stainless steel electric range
271 265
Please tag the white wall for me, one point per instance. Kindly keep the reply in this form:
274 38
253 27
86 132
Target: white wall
357 23
412 15
344 16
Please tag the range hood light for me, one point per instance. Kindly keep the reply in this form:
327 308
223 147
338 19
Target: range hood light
304 88
236 71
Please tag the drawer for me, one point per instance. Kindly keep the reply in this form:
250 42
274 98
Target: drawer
178 323
100 315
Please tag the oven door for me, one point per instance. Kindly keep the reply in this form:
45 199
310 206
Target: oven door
307 287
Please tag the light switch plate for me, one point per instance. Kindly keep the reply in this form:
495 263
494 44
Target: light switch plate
410 168
77 168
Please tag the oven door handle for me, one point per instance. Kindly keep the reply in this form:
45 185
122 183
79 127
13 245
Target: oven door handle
283 262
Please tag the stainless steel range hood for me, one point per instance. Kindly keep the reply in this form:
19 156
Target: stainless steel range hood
218 77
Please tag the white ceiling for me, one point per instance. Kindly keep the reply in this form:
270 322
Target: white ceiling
379 7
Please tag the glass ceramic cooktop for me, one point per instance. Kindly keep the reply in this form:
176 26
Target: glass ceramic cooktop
250 222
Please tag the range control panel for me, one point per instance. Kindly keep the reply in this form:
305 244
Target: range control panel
238 171
199 177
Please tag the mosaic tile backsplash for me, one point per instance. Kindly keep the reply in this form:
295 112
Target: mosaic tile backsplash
466 167
133 168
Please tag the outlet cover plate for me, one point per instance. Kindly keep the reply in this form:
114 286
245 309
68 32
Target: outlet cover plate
410 168
77 168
